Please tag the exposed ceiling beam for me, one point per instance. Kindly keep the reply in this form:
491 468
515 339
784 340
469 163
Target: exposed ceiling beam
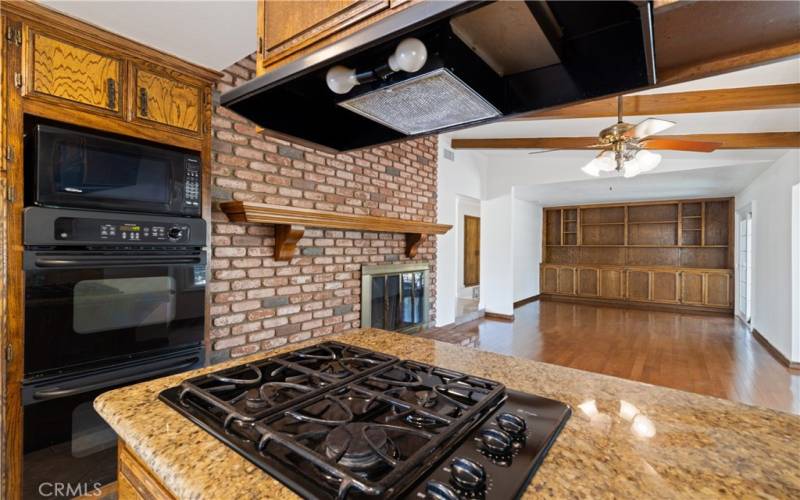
698 101
727 63
761 140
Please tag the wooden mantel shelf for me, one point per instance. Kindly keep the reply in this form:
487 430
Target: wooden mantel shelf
290 224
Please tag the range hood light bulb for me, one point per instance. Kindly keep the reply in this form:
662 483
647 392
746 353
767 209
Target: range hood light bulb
341 79
409 56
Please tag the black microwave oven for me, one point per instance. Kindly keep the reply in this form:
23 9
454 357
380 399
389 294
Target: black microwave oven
74 168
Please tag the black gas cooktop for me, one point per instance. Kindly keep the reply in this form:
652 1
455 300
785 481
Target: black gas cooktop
339 421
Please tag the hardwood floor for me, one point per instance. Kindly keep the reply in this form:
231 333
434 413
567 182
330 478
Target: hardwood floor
712 355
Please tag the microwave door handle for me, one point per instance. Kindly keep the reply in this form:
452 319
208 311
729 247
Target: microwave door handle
56 392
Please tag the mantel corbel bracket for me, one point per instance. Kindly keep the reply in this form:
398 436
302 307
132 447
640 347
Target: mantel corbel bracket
286 238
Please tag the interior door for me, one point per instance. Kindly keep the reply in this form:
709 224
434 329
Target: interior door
472 250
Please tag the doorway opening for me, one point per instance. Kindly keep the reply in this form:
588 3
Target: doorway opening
745 271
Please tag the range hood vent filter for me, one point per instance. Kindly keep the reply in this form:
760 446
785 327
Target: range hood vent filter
426 103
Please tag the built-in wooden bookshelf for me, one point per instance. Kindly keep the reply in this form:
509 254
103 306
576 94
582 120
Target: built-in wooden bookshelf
656 238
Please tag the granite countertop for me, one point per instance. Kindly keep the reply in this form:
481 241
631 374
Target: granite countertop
625 439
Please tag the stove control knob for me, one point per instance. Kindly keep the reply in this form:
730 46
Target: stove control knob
511 423
175 233
467 475
496 442
436 490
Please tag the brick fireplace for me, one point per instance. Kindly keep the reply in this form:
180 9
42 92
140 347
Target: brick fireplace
259 303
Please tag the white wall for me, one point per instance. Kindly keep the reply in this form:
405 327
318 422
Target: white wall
771 197
527 249
795 272
461 179
497 263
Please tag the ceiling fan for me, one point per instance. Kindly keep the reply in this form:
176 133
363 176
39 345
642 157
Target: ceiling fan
625 147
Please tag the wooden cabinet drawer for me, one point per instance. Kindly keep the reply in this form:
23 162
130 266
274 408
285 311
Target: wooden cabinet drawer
73 74
163 99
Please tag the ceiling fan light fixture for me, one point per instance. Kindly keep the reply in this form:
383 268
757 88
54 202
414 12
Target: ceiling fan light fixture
647 160
604 162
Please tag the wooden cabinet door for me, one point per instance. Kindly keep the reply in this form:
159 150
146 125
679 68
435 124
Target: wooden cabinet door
162 99
718 290
73 74
665 286
692 287
472 250
566 280
611 283
588 282
549 279
638 285
290 25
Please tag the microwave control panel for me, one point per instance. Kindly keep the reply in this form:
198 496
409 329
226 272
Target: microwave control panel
111 231
191 185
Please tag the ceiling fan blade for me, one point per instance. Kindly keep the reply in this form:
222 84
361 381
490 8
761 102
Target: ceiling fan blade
680 145
590 146
648 127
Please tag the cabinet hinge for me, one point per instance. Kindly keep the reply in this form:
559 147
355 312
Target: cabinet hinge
18 80
261 45
9 353
10 153
14 35
11 194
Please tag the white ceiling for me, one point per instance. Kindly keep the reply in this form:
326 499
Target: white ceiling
703 182
556 178
211 33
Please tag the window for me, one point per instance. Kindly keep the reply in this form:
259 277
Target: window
745 264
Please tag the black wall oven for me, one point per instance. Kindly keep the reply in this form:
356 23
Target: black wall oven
71 167
111 299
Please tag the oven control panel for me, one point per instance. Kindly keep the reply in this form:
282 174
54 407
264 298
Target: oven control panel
111 231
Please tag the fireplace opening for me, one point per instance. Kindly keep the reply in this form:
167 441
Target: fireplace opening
395 297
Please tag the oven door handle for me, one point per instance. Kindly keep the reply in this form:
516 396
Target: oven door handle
58 392
138 261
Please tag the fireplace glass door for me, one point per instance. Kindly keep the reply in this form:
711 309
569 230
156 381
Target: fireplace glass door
395 300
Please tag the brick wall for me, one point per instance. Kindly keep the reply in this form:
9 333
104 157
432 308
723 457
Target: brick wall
258 303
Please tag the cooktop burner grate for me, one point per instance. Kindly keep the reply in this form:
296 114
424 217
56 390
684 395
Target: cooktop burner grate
337 421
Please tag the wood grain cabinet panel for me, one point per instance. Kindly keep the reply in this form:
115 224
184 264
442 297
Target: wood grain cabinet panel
692 288
549 279
73 74
611 284
665 286
588 282
168 101
566 280
718 289
638 285
289 26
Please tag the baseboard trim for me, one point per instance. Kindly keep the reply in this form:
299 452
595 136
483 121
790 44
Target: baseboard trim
498 316
648 306
778 355
522 302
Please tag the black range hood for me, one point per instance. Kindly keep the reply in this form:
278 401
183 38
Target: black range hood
485 61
